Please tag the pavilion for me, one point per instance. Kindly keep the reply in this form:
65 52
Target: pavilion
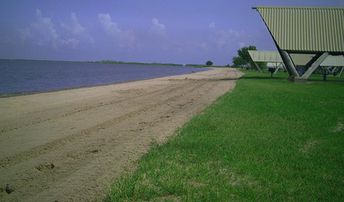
336 63
267 57
314 32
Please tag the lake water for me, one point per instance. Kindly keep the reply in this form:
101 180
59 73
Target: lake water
27 76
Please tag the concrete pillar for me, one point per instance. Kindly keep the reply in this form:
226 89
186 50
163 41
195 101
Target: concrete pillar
257 66
288 62
341 71
314 65
280 65
333 70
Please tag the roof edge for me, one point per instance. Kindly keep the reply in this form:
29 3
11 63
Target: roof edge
263 51
293 7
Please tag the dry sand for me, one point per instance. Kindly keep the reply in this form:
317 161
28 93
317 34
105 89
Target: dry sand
71 145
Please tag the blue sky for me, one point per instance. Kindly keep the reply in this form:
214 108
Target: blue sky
175 31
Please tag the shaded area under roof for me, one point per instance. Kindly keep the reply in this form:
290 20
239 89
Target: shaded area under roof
302 29
333 61
298 59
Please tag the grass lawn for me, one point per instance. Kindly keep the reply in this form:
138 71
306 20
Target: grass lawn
268 139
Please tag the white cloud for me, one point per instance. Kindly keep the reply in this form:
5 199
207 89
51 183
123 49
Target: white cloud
227 38
211 25
43 32
74 27
111 27
158 27
75 30
123 38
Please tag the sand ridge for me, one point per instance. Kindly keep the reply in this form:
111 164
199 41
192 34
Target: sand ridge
71 145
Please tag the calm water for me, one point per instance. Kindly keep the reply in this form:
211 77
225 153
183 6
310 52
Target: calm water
26 76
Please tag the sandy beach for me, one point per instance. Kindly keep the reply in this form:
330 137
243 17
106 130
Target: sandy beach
71 145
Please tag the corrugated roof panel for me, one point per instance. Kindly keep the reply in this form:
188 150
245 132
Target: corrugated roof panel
333 61
265 56
306 29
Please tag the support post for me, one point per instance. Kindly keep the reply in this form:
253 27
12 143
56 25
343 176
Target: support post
334 69
314 65
278 67
257 66
341 71
289 64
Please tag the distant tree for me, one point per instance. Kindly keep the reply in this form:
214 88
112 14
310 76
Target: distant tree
244 60
239 62
209 63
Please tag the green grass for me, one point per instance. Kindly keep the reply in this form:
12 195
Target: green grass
267 140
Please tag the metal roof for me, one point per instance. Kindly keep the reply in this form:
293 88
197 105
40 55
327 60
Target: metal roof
303 29
274 56
333 61
265 56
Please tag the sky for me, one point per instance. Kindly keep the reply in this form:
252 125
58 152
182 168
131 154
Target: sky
174 31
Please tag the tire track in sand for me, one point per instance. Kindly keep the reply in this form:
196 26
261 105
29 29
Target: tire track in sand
42 149
86 161
79 109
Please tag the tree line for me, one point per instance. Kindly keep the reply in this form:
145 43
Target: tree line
243 59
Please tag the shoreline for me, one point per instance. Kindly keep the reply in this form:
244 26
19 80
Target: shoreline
7 95
72 144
